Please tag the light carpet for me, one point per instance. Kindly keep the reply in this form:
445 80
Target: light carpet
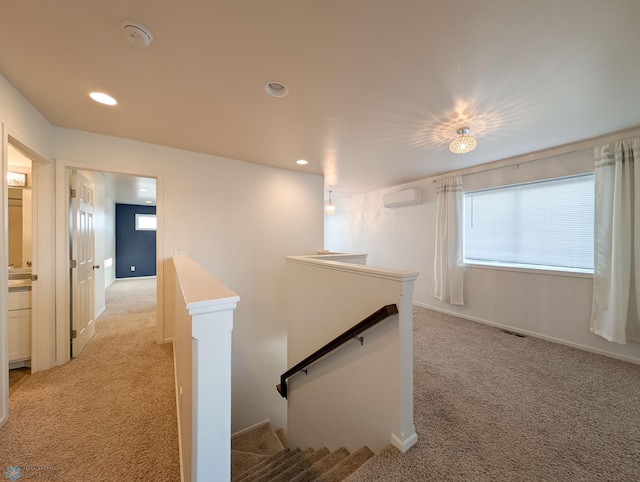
109 414
490 406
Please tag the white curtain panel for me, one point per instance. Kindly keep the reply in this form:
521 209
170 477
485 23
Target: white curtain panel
614 312
447 260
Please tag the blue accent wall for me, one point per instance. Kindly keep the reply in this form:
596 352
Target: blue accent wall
134 248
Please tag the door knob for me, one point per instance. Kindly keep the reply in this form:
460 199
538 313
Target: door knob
96 266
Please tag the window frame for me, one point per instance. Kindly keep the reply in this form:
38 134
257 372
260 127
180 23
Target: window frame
523 267
145 216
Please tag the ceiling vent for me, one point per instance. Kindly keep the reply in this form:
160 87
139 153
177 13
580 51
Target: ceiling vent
408 197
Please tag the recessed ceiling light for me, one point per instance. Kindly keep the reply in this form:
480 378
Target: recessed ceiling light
148 202
276 89
142 189
302 162
103 98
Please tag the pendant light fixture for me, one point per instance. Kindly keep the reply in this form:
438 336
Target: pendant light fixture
330 208
463 143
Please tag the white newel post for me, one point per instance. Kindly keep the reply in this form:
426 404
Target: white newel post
212 323
406 437
202 354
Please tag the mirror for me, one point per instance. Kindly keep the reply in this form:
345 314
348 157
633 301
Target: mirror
20 216
15 228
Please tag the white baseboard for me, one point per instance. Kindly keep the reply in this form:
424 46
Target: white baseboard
26 363
101 312
133 278
560 341
405 443
249 429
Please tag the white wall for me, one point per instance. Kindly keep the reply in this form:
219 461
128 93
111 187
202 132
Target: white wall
238 221
551 306
110 241
25 124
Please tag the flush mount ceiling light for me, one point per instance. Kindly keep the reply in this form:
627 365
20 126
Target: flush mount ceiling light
137 34
276 89
330 208
463 143
103 98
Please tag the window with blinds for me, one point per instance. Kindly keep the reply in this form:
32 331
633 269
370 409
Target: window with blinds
540 225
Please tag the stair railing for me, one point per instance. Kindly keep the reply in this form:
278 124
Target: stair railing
352 333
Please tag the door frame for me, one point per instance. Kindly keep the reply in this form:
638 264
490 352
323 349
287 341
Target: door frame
63 278
40 353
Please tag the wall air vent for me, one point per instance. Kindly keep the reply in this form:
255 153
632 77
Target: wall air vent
408 197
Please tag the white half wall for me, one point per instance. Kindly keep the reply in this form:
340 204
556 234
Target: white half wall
359 394
552 306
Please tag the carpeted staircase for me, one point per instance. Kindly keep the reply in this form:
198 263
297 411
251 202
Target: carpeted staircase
261 455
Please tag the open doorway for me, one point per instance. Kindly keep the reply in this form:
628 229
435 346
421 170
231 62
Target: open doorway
101 174
20 233
121 207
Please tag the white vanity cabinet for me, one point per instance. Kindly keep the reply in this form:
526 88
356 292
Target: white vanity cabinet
19 324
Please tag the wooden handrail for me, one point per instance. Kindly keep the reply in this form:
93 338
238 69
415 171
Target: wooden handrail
373 319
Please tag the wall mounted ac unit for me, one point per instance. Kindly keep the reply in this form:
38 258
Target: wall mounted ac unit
408 197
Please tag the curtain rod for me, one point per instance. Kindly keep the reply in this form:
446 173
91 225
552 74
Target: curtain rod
541 154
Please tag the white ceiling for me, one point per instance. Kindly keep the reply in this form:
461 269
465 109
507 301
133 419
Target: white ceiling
124 189
377 87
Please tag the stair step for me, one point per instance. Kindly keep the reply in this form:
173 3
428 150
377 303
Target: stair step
243 461
323 465
260 455
261 440
346 466
301 466
273 467
282 436
270 460
284 466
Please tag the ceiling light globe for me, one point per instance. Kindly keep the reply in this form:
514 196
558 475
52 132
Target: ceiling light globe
463 144
330 208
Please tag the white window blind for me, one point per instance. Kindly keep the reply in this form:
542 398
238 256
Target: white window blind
541 225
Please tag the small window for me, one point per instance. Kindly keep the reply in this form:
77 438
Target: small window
146 222
539 225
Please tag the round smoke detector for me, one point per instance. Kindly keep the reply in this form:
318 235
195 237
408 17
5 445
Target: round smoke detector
136 33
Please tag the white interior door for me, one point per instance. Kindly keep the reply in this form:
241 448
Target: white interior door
82 263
